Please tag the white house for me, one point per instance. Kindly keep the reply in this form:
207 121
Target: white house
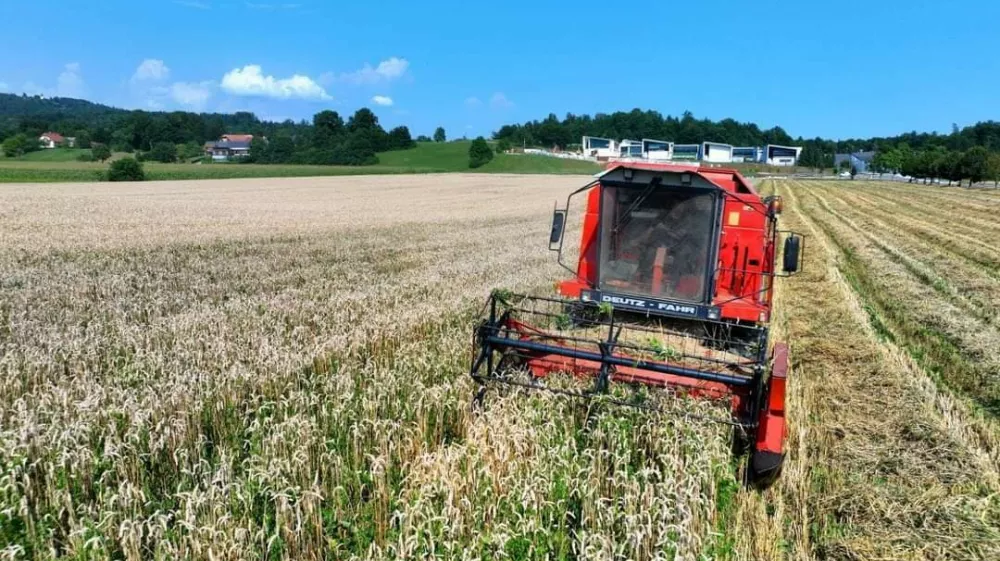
54 140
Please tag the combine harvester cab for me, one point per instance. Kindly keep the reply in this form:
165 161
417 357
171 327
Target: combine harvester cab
672 289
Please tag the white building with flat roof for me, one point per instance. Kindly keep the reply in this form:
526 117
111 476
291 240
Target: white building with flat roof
630 149
715 152
687 152
600 148
657 150
776 155
748 154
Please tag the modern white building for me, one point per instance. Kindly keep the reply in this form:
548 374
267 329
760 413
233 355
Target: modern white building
600 148
776 155
657 150
715 152
748 154
686 152
630 149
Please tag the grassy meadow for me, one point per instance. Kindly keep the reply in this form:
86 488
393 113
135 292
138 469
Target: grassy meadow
60 165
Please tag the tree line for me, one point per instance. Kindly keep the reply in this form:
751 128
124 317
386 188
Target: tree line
686 129
976 164
637 124
181 135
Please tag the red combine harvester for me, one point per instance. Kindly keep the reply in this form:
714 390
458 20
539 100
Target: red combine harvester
672 289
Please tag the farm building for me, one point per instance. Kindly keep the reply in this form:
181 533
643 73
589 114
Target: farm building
657 149
687 152
776 155
748 154
715 152
600 148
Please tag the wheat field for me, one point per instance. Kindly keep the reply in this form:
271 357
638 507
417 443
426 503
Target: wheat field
277 369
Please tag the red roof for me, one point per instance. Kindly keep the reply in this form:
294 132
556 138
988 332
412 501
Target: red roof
54 136
238 137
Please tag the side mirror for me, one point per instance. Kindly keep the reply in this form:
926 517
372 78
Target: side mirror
558 225
793 247
774 205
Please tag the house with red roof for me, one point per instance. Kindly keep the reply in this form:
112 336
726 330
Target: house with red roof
51 139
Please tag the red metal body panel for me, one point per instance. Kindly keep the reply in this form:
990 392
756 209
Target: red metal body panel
772 430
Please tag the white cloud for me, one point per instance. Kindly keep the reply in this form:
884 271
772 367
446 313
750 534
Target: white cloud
387 70
193 4
191 94
32 88
250 81
473 101
500 101
151 69
382 100
70 82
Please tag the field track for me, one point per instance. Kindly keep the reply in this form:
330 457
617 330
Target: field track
893 328
275 369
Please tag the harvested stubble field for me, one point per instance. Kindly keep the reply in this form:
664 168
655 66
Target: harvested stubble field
276 369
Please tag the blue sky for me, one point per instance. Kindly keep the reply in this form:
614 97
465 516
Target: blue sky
834 69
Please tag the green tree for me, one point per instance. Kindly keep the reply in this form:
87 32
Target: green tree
994 168
83 139
365 124
120 141
165 152
259 151
100 152
328 129
811 157
126 169
975 164
363 119
948 164
439 135
503 145
190 150
280 149
423 138
399 139
19 145
479 153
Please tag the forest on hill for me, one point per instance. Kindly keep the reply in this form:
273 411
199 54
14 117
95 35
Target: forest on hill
817 152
